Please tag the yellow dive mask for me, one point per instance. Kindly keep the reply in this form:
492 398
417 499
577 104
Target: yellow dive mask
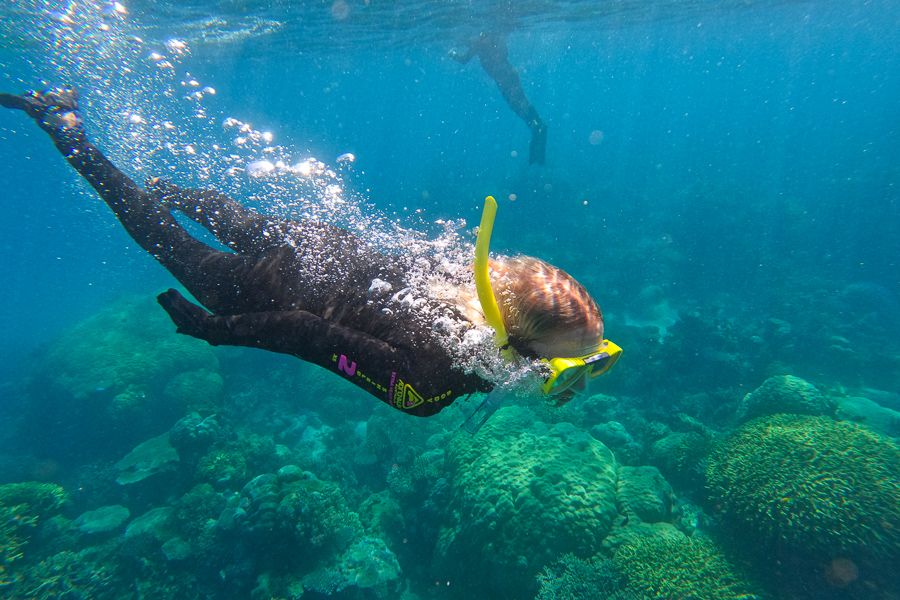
564 372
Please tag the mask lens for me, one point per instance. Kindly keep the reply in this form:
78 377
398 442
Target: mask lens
602 362
567 379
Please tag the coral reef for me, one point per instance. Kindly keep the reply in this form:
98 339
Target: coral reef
147 459
644 493
233 459
294 508
117 369
669 564
616 437
679 455
71 575
40 499
193 434
524 493
876 417
574 578
23 507
105 519
813 485
16 525
784 394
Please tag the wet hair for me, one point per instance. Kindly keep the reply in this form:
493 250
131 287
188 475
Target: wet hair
543 306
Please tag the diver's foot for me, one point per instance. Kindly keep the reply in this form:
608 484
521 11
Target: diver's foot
55 110
188 317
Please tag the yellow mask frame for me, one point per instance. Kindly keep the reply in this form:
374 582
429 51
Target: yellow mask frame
564 372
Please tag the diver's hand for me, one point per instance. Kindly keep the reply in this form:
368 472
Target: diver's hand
189 318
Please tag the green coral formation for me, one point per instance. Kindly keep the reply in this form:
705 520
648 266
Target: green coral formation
367 564
645 494
198 390
784 394
231 462
127 344
148 458
118 368
15 527
671 565
573 578
23 506
41 499
70 575
293 508
680 456
812 484
105 519
524 494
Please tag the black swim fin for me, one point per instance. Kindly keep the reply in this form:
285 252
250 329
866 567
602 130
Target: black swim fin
13 101
38 104
537 149
483 412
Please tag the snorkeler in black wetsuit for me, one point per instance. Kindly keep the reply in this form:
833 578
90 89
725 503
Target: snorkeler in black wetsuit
293 287
322 294
492 53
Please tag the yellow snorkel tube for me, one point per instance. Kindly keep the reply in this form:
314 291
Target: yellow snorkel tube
483 279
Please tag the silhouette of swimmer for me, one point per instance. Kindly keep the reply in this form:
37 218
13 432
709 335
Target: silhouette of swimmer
492 53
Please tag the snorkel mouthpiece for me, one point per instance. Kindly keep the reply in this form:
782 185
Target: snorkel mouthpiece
482 276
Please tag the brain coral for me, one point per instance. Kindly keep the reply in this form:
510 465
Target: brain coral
812 484
671 565
784 394
523 494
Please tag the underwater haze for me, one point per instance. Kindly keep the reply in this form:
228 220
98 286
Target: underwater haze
723 177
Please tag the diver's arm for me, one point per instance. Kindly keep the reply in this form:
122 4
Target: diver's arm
368 362
233 224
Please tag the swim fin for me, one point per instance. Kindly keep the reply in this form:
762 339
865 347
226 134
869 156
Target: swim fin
489 406
538 147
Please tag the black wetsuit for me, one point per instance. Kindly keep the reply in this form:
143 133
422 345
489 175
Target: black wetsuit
493 55
293 287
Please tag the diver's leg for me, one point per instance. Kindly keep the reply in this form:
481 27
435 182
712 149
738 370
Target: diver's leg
207 273
538 147
511 89
233 224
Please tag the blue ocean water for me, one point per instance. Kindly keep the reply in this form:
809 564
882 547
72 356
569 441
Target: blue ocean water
723 177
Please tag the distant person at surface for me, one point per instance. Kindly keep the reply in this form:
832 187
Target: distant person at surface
323 294
492 53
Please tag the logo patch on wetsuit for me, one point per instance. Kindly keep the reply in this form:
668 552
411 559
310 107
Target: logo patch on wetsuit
405 397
